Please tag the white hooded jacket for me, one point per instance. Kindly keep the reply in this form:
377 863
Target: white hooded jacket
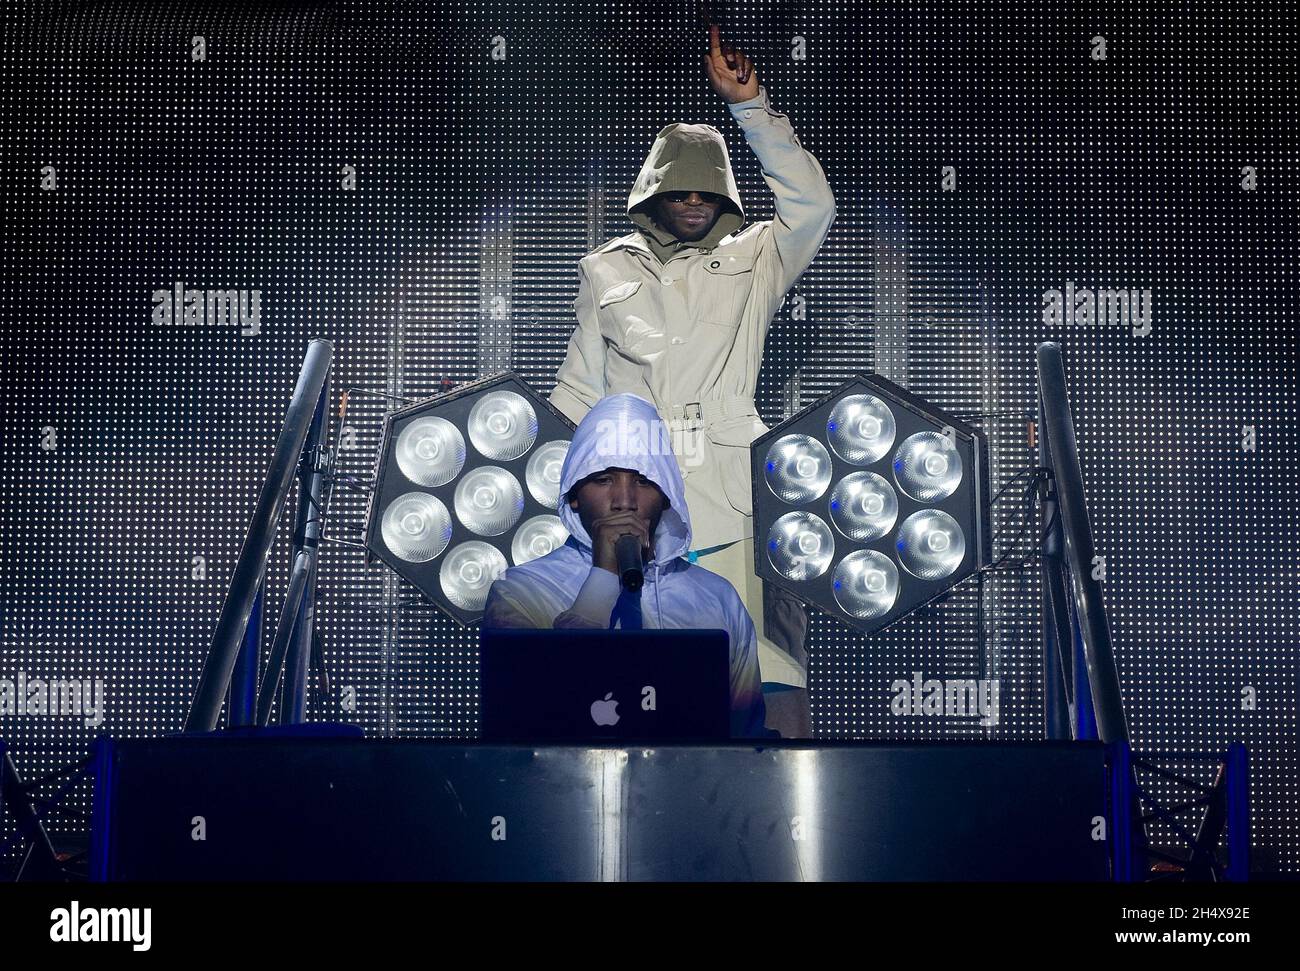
565 589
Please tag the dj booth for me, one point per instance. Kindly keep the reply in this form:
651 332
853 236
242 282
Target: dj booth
266 807
314 801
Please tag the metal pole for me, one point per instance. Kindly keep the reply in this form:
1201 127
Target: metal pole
1238 813
289 617
243 682
1057 641
1058 430
311 493
251 565
1125 855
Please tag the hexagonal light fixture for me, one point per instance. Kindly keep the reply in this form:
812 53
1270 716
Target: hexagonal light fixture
466 484
870 503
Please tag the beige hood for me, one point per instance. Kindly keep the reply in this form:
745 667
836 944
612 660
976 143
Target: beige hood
685 158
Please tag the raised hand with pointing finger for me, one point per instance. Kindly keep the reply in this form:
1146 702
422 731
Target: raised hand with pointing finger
730 70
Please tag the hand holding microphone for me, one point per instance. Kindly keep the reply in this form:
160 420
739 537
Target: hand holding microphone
621 545
627 550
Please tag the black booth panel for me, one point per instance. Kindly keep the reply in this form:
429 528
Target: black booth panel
364 810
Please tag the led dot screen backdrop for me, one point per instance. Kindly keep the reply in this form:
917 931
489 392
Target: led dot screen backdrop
416 184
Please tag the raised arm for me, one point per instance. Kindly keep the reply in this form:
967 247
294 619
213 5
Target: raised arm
805 205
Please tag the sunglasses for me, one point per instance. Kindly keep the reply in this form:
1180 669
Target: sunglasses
680 197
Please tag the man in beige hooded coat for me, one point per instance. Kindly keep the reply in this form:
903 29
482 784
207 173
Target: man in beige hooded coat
678 313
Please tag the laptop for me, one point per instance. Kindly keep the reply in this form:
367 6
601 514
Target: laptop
594 685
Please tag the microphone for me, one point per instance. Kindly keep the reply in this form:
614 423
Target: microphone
627 552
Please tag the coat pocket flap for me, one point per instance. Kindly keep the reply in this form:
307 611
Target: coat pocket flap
739 431
726 264
619 291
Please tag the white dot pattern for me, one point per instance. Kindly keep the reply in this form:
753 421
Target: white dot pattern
479 183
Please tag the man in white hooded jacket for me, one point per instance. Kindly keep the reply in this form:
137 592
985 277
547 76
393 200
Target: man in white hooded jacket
621 477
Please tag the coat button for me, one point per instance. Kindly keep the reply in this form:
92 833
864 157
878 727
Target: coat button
715 264
666 280
749 112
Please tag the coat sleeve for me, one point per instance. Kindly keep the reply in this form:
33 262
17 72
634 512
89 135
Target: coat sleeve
594 603
580 382
805 205
503 609
508 604
748 711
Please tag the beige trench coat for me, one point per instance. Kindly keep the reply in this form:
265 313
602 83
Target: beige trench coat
688 335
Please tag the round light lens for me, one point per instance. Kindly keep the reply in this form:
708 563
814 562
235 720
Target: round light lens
503 425
797 468
543 473
489 500
931 544
537 537
865 584
861 429
416 527
468 571
430 451
800 546
928 466
863 506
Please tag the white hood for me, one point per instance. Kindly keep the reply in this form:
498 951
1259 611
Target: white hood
625 431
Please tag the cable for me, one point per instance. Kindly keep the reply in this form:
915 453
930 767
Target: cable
1033 553
1017 520
1024 560
1036 470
